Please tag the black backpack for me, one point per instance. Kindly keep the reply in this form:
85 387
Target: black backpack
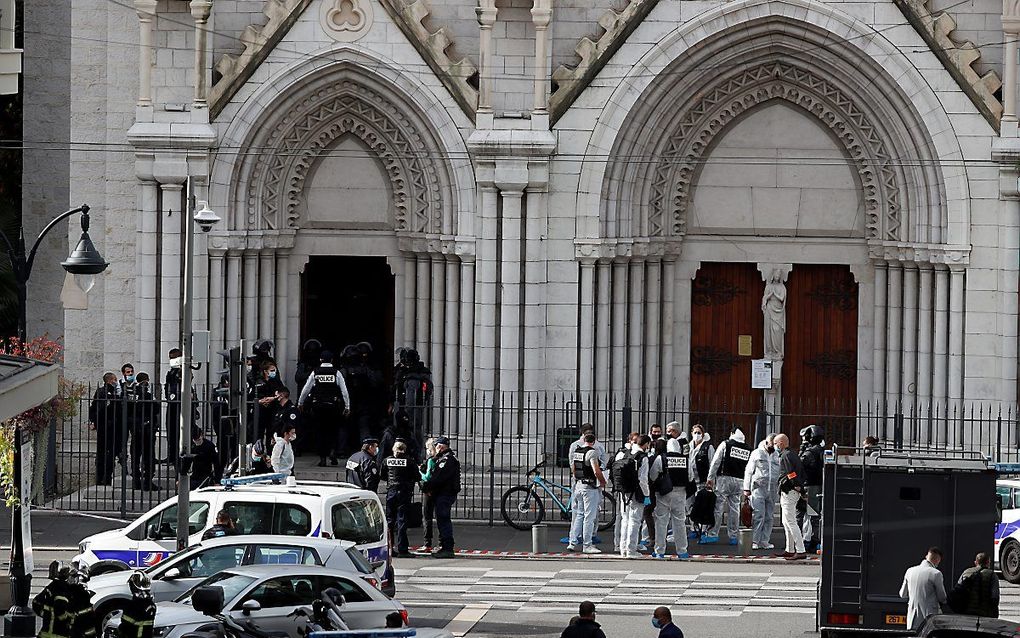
703 508
616 468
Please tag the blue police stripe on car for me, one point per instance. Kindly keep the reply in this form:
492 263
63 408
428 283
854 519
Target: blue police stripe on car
130 557
1004 529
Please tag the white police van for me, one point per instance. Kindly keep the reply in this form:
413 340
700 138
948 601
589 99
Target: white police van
257 506
1007 532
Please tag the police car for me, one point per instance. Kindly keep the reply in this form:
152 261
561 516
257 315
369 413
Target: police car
297 508
1007 532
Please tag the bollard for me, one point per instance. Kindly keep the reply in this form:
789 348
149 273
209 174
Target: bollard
744 541
539 536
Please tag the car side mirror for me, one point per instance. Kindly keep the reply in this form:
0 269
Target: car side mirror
172 574
152 532
208 600
249 606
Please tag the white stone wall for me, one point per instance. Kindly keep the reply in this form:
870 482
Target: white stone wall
979 21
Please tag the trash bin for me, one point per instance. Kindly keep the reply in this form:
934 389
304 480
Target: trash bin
564 437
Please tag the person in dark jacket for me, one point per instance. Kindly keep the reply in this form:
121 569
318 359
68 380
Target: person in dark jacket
662 619
791 488
978 589
812 457
145 417
288 414
224 526
53 603
443 486
136 620
172 392
585 626
363 466
205 469
104 418
401 473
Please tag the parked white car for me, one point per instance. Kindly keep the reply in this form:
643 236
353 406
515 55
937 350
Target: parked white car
267 594
182 571
301 508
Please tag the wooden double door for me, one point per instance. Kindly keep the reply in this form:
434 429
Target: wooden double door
819 375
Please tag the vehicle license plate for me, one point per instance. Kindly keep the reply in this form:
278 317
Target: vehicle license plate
895 619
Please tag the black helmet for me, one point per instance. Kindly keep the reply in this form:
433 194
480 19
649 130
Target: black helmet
326 356
364 348
349 353
263 347
410 356
312 346
59 571
813 434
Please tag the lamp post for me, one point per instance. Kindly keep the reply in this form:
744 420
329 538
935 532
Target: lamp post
84 263
206 219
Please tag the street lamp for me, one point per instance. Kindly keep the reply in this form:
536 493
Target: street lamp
206 219
83 262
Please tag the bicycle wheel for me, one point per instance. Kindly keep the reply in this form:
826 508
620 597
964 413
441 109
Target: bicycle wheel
607 511
522 508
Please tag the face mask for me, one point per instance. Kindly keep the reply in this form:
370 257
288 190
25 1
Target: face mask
770 448
248 367
656 623
272 374
129 378
656 437
293 437
698 436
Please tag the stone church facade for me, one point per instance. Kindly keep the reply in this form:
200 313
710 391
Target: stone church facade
620 196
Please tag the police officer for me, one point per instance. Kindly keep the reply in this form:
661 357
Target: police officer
726 478
139 612
412 392
364 385
144 418
327 391
443 486
401 472
671 505
52 604
363 466
812 457
587 493
224 526
104 418
287 414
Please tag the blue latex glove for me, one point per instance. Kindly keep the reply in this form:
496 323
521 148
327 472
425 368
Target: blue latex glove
648 500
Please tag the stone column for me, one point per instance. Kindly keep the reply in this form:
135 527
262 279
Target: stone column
216 298
894 338
467 323
924 337
586 327
635 330
487 276
437 318
668 383
233 318
251 295
908 385
146 10
286 352
957 308
200 12
653 287
486 13
400 309
267 283
410 281
879 328
940 343
422 290
451 374
1011 31
603 310
619 322
541 16
170 293
147 346
510 279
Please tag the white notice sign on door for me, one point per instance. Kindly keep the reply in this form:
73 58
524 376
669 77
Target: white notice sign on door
761 374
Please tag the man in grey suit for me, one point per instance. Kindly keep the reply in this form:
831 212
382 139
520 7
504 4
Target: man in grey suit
924 589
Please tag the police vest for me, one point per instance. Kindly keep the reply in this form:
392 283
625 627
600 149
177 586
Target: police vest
401 471
676 467
735 460
583 471
325 390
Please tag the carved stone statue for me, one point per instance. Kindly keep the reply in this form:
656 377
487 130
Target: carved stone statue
773 307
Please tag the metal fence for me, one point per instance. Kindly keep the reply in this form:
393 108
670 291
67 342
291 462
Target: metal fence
497 437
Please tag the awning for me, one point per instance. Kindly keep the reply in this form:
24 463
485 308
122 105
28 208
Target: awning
25 384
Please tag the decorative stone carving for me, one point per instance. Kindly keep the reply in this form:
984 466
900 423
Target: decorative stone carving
570 81
707 291
346 20
839 364
838 293
312 125
708 360
674 173
773 307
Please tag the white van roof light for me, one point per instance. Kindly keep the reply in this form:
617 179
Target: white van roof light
230 483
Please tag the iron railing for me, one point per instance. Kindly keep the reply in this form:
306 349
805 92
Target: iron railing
499 437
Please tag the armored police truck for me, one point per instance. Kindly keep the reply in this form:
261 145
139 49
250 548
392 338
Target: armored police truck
881 511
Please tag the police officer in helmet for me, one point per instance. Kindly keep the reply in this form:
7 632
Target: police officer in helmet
363 466
139 612
812 457
401 472
326 391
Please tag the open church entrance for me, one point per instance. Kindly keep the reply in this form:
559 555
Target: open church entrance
345 300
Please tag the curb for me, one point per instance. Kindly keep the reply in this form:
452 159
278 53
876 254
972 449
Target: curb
697 558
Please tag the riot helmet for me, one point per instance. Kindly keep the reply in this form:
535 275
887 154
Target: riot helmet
812 434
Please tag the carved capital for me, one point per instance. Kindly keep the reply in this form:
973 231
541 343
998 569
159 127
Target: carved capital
200 10
769 271
146 9
486 13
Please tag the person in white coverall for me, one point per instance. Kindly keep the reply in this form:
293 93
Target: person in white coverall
761 486
637 501
670 473
618 495
726 478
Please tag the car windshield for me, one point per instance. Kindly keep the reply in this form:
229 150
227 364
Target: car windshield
358 520
232 584
360 563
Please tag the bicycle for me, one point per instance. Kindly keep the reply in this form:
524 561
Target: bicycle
522 505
